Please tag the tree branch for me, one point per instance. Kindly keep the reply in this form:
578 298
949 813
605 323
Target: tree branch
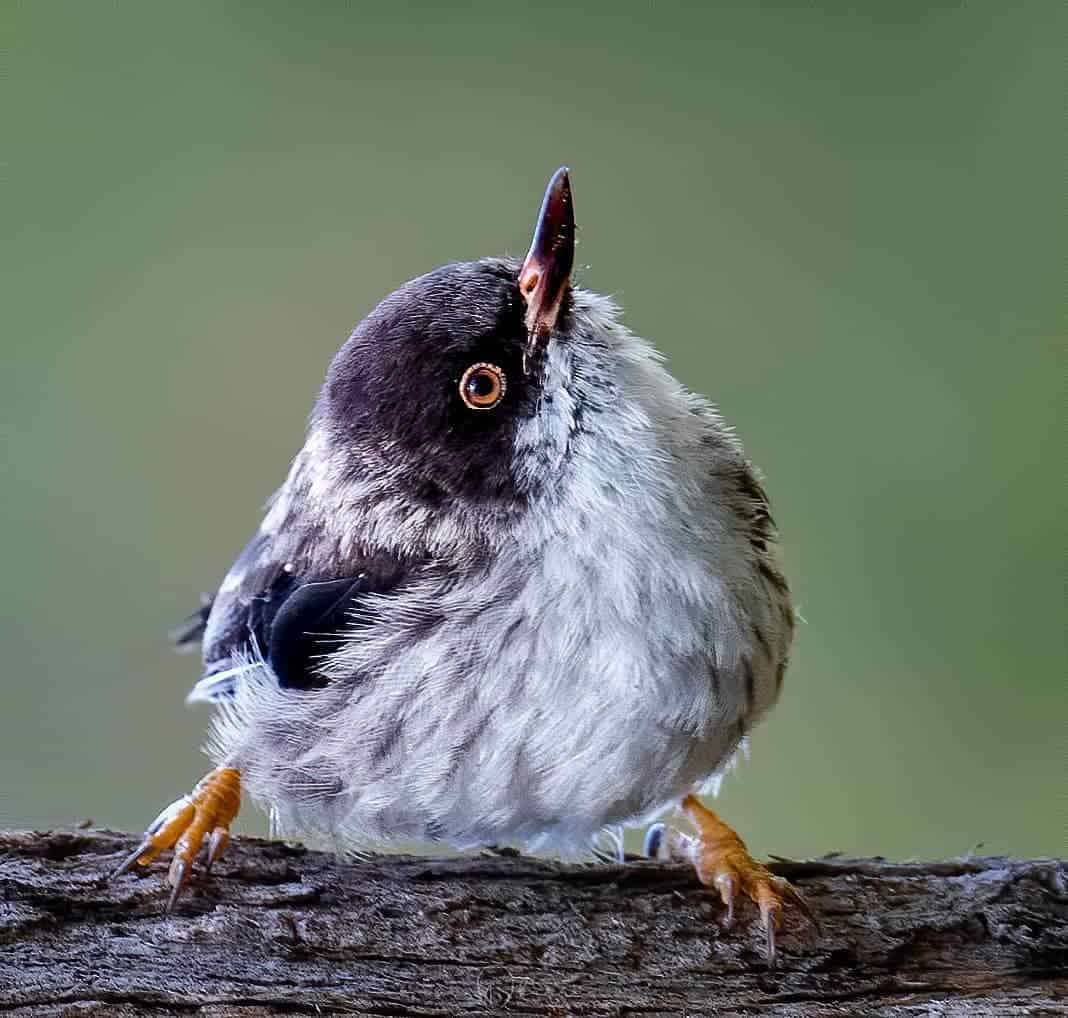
282 930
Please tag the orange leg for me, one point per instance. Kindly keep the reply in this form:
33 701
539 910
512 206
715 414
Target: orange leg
206 812
722 861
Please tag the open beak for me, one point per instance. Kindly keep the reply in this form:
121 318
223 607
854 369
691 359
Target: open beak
545 278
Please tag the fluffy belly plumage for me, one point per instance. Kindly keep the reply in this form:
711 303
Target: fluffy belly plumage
510 721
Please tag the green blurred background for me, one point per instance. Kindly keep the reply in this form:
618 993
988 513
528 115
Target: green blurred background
843 222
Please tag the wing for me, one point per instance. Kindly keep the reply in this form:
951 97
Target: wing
186 636
264 611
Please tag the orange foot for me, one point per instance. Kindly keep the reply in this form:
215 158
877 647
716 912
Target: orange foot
207 811
722 861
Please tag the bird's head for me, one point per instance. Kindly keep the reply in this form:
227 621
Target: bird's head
462 384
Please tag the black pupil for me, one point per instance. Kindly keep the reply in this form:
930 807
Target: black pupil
482 385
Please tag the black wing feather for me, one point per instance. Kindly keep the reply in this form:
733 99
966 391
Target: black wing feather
289 621
312 621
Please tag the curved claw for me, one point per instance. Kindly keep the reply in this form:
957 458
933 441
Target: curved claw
725 884
769 931
771 917
177 876
132 859
217 842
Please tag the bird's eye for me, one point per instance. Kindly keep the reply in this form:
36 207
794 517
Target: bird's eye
482 386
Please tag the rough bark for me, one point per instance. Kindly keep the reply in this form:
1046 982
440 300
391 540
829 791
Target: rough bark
281 930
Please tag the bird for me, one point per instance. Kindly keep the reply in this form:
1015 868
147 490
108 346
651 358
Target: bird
520 587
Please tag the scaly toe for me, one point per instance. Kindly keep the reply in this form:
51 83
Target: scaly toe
162 833
217 842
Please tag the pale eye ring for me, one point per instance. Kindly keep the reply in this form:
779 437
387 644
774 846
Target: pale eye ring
483 386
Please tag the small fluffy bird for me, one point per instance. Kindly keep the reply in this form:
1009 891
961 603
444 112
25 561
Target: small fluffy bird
519 587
